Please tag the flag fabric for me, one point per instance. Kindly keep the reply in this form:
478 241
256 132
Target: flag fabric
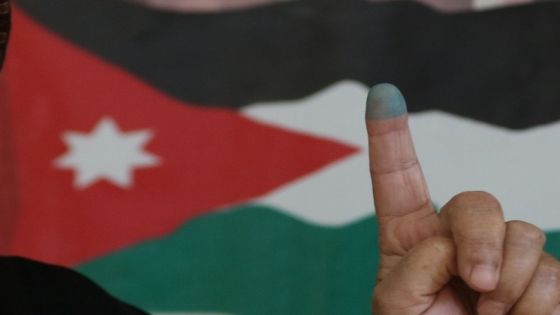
205 158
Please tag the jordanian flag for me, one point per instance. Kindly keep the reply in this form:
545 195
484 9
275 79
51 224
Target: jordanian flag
209 157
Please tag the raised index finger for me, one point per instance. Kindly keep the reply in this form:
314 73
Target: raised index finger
402 202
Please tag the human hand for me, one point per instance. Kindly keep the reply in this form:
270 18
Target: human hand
464 261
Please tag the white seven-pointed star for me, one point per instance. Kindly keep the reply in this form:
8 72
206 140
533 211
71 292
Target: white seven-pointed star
106 153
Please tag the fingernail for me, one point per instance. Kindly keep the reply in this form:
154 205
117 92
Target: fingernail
484 277
491 307
384 101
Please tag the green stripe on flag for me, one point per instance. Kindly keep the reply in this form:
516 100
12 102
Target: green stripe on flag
553 243
250 260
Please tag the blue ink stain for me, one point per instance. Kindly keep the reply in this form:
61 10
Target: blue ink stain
384 100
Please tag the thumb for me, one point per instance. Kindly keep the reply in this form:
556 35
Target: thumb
418 283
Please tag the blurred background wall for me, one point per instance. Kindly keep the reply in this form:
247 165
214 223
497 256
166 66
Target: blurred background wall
210 156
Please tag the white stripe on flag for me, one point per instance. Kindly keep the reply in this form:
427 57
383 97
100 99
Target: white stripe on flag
519 167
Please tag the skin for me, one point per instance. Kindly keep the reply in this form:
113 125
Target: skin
384 101
467 259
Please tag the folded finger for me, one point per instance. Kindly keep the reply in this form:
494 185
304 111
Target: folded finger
476 223
542 296
522 252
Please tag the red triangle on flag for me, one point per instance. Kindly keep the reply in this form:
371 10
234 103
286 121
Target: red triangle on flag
207 157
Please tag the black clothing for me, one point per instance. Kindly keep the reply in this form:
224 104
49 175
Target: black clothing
32 288
4 28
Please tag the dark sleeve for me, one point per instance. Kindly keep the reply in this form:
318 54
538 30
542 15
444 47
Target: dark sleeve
4 28
31 288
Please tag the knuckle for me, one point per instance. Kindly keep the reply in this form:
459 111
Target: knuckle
471 205
520 232
549 271
476 197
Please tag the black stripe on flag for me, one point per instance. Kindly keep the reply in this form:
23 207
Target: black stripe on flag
500 66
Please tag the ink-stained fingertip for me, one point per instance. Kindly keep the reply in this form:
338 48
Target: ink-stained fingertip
384 100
